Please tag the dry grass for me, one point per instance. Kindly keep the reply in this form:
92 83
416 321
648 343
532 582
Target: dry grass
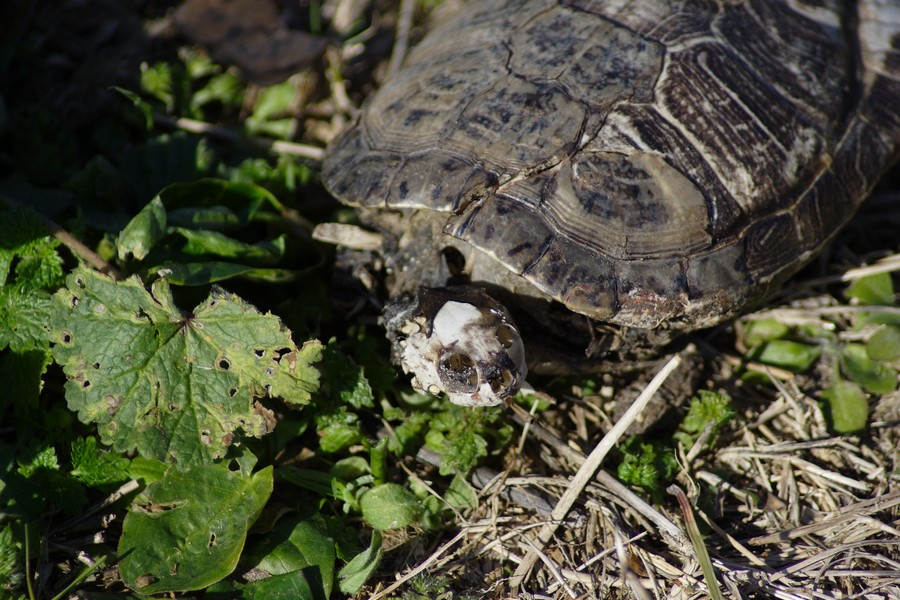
782 507
787 510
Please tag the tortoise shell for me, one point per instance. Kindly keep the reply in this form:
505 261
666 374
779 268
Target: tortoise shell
654 163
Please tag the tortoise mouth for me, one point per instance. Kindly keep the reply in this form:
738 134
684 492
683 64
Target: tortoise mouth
458 341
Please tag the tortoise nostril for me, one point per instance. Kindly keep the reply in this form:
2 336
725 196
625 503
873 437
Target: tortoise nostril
502 381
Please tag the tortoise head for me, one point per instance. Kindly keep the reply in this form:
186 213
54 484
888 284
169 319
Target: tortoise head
458 341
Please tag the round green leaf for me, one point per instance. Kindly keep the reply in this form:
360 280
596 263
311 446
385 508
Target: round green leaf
763 330
884 345
846 406
875 376
873 289
390 506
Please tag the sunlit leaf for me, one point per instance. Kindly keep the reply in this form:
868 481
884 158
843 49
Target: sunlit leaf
390 506
846 407
786 354
187 531
175 386
143 231
873 375
357 571
884 345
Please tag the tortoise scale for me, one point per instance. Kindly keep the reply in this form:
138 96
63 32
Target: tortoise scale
656 166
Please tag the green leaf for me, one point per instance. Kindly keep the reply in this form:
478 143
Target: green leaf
143 232
390 506
875 376
177 387
786 354
707 407
274 100
460 494
147 470
202 273
12 565
647 465
355 573
25 317
307 545
213 243
244 199
47 483
875 289
96 468
338 430
344 379
846 407
187 531
758 331
297 585
884 345
213 218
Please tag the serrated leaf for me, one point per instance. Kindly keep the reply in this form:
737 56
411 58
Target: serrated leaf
390 506
177 387
875 376
360 567
143 232
344 379
187 531
96 468
884 345
846 407
338 430
12 565
25 317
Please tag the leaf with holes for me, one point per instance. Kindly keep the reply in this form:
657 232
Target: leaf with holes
187 531
179 387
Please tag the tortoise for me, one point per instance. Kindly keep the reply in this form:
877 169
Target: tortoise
604 175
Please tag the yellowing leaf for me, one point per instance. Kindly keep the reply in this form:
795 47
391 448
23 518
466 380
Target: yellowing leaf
177 386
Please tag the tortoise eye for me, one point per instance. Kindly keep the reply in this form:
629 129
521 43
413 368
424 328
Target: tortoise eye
505 335
458 373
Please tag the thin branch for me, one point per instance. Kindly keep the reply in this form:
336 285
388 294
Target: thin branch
69 241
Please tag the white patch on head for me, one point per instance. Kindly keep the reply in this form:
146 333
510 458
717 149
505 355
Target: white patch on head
455 321
474 354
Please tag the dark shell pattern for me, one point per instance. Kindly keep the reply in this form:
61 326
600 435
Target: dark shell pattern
646 163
